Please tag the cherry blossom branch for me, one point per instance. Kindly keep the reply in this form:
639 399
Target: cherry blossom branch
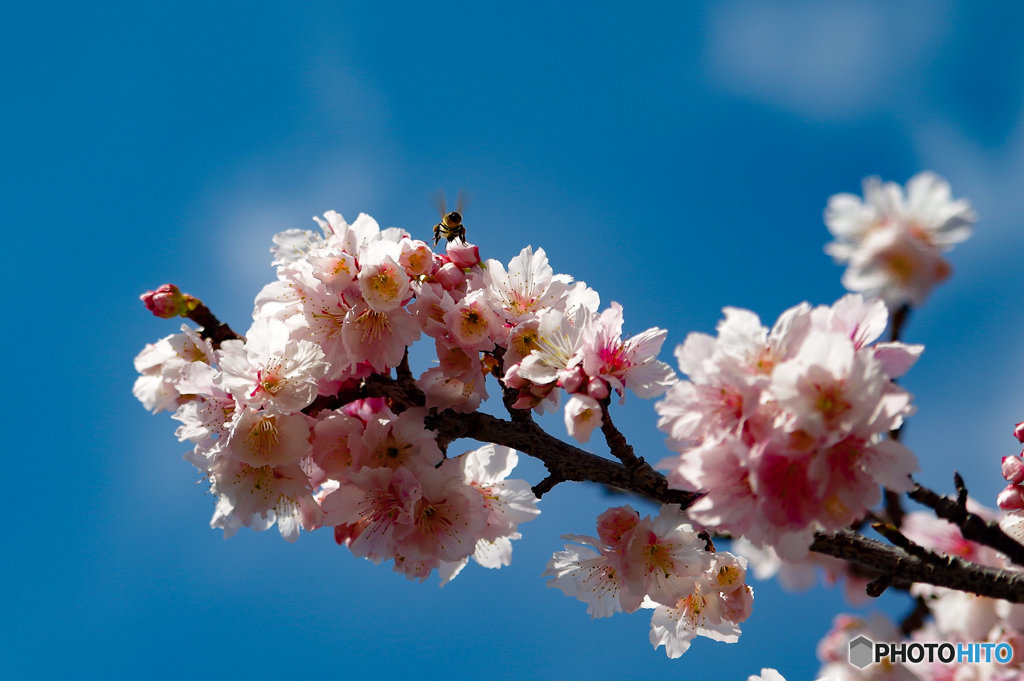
899 318
902 569
617 442
898 565
892 565
168 301
972 526
563 460
509 396
212 329
893 500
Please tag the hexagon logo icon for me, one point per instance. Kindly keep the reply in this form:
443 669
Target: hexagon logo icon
862 652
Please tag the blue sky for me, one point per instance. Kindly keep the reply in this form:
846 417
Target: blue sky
675 157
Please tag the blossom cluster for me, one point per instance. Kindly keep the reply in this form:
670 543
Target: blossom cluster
315 417
892 242
657 563
287 428
782 429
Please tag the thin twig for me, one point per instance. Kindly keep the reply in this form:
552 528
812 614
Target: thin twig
617 442
893 500
545 485
972 526
893 534
899 318
915 618
212 329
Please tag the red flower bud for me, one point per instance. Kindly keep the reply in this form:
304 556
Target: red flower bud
167 301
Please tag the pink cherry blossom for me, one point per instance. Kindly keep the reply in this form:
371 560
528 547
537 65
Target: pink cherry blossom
160 365
270 370
378 338
266 438
656 563
416 257
631 363
527 288
783 430
394 442
582 416
893 242
472 324
259 496
383 282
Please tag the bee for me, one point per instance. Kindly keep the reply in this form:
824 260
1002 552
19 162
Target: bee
451 226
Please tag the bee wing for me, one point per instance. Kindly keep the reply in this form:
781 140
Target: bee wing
462 200
437 198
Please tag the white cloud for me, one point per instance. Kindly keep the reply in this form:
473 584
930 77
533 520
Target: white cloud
283 183
824 60
991 177
243 221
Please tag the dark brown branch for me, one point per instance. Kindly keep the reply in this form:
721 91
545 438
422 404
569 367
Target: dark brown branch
899 318
617 442
892 533
545 485
893 500
894 506
901 568
402 371
563 460
877 586
212 329
972 526
402 394
509 396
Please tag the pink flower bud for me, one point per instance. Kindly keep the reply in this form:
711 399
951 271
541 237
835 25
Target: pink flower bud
463 255
367 408
1013 469
597 388
167 301
1011 498
1018 432
450 276
573 382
